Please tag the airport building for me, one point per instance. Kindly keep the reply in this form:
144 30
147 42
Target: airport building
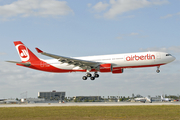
60 96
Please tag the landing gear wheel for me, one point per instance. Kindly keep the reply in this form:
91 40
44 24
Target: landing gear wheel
92 78
158 71
96 75
88 75
84 78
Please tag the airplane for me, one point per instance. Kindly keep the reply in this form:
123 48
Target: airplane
7 101
143 99
165 99
140 99
114 63
11 101
2 99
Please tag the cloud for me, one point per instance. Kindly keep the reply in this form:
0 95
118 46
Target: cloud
89 4
100 7
16 79
167 16
127 35
118 7
170 15
43 8
134 33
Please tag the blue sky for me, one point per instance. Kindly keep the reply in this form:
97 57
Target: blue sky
83 28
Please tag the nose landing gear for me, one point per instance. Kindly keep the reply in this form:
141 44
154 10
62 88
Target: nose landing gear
158 71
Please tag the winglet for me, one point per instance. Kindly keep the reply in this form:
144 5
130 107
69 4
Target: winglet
38 50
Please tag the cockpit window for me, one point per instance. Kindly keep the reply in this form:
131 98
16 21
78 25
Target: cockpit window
168 55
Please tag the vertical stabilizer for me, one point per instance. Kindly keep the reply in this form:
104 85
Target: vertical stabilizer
161 97
25 54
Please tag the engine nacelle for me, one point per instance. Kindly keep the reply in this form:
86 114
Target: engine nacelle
105 68
116 71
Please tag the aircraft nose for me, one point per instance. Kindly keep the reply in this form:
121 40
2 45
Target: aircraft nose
173 58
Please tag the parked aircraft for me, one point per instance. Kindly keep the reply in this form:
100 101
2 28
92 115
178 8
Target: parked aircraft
140 99
2 99
115 63
165 99
143 99
7 101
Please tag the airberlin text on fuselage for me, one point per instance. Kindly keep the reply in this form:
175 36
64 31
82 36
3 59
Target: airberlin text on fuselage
142 57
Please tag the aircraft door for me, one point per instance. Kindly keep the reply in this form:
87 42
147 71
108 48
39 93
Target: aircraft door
158 56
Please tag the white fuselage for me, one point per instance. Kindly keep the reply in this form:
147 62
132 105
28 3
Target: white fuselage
130 60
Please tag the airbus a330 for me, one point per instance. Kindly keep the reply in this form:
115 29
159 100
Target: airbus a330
114 63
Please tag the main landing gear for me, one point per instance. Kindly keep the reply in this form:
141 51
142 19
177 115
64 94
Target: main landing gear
158 71
91 77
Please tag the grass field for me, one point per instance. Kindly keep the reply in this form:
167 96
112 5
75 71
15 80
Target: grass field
166 112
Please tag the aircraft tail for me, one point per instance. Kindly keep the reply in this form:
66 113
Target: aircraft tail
25 54
161 97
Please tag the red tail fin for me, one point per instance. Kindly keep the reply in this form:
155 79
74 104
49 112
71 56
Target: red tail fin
25 54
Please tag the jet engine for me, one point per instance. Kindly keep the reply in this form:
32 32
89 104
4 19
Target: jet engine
117 70
105 68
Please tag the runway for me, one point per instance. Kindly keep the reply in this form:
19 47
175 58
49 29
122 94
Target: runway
89 104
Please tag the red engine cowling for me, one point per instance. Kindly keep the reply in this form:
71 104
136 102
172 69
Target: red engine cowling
105 68
116 71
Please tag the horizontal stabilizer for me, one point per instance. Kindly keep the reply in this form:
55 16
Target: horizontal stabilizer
26 64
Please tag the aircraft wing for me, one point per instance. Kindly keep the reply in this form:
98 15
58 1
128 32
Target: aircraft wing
84 64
